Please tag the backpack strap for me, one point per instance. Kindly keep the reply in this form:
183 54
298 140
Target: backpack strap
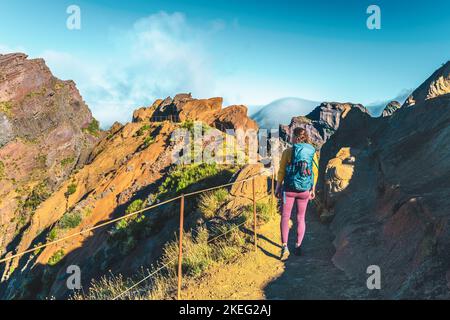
292 155
315 164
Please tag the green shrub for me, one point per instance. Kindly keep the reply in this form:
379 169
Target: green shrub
39 194
52 235
56 257
211 202
184 176
264 212
127 231
67 161
226 253
188 125
71 189
197 255
70 220
93 128
6 108
142 130
136 205
2 170
148 141
37 251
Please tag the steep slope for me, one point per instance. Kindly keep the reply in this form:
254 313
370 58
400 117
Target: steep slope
436 85
131 166
47 131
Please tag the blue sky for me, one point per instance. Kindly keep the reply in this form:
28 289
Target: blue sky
129 53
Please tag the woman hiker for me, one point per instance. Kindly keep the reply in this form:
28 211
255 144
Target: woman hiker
297 178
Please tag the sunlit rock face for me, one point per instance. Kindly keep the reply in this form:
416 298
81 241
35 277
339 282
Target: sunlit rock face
438 84
209 111
390 108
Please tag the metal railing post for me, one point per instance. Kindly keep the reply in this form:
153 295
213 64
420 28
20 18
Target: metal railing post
180 252
273 191
254 214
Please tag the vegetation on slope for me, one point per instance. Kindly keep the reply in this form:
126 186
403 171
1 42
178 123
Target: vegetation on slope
218 237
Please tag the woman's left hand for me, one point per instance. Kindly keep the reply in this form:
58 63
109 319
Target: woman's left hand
278 192
312 194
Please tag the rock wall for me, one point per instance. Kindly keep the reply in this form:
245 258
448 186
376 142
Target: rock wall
385 184
46 133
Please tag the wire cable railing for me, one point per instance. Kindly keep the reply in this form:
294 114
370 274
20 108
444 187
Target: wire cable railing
180 257
9 256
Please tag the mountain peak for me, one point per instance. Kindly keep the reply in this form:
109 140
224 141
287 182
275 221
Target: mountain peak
437 84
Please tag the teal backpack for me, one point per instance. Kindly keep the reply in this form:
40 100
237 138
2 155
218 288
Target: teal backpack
299 172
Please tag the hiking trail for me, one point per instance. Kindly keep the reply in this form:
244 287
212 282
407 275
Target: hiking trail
261 275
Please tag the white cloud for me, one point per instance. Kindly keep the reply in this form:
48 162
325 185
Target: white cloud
160 55
4 49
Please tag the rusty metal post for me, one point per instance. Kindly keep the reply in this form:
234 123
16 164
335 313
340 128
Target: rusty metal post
180 253
273 191
254 214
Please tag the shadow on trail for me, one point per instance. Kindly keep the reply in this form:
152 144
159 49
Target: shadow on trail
261 238
312 275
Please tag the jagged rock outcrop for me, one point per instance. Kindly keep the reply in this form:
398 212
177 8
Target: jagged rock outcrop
234 117
242 193
143 114
209 111
392 212
46 132
436 85
322 122
245 188
339 171
391 108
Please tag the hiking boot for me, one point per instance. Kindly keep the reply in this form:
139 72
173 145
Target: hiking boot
284 253
298 251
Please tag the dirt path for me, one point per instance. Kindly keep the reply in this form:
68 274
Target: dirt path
247 277
260 275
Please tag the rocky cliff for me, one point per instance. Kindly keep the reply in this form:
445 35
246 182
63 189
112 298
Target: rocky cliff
385 185
47 131
438 84
322 122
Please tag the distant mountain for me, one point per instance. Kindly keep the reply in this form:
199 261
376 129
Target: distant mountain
282 111
376 108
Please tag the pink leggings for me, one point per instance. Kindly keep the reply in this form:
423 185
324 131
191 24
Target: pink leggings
301 199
